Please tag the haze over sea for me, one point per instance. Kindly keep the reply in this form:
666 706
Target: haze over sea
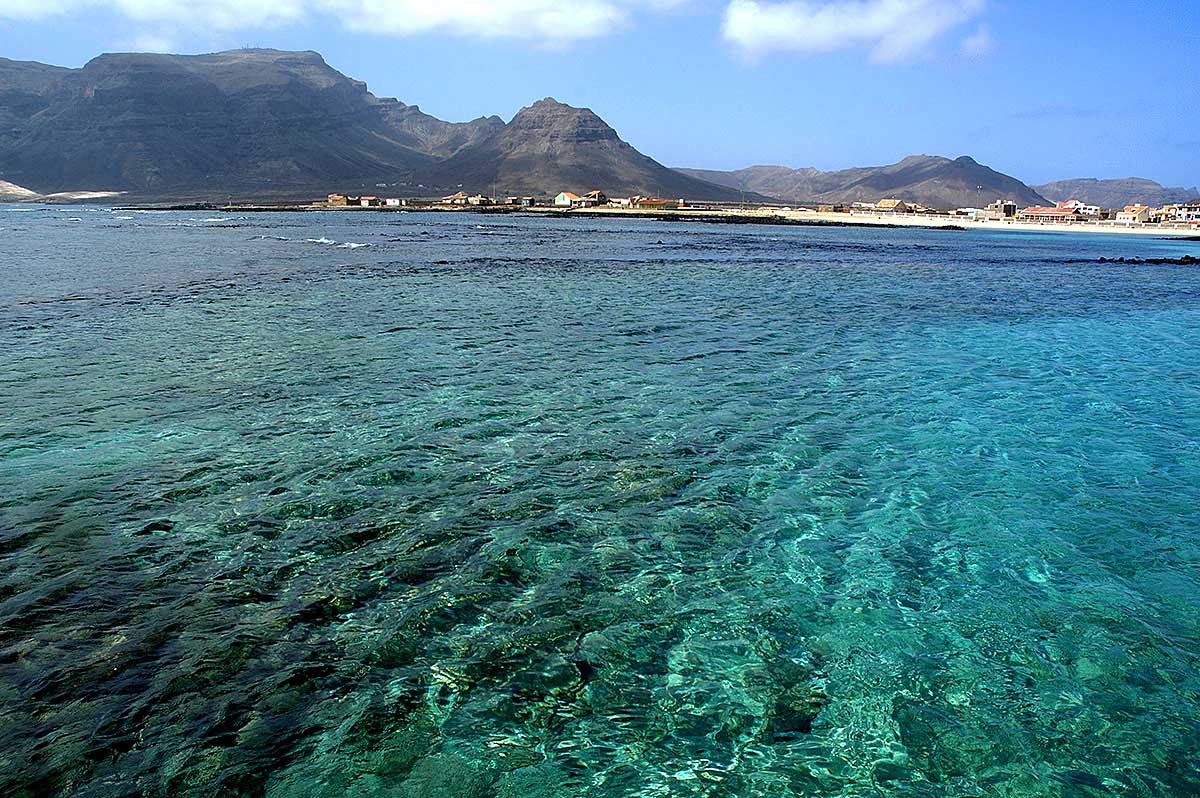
340 504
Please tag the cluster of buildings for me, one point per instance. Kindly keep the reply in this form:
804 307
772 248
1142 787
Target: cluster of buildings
598 199
1075 211
346 201
1070 212
565 200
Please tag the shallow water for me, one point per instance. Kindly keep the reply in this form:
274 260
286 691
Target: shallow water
522 507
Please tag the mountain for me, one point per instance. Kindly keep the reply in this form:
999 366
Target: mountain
286 124
551 147
1116 193
932 181
25 88
246 120
424 133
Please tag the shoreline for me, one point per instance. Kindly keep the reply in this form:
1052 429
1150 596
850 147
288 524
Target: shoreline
764 216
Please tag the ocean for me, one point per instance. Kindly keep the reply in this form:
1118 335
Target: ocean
358 504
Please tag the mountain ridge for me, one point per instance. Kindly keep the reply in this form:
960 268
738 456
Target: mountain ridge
549 146
1116 193
152 124
930 180
262 122
285 123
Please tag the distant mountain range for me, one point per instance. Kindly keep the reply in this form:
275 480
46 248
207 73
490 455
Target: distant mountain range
267 122
1117 193
270 123
930 180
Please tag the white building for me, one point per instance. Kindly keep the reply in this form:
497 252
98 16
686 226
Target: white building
1187 212
1134 214
1077 205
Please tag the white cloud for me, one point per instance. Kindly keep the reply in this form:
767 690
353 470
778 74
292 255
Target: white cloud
548 21
978 44
891 30
220 15
149 42
34 9
223 15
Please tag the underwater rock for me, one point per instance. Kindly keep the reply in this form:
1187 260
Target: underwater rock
445 776
158 525
797 708
543 780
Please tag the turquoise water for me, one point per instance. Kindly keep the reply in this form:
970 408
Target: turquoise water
520 507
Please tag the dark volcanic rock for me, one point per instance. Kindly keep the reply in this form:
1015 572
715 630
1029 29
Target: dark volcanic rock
551 147
416 129
156 124
25 89
268 122
1186 260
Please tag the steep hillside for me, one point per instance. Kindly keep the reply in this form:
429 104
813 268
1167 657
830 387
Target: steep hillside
550 147
932 181
1116 193
261 119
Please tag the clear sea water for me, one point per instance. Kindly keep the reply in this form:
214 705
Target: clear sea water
500 506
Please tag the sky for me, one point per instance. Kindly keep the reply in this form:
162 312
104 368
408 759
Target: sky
1041 91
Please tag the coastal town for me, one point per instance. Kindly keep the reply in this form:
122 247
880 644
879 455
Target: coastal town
1071 215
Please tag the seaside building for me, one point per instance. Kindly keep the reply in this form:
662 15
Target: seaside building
341 200
1135 214
1044 215
1189 212
394 202
370 202
592 199
892 206
654 204
998 211
477 200
458 198
565 199
1077 205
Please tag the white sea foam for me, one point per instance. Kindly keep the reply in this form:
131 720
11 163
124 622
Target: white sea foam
352 245
321 240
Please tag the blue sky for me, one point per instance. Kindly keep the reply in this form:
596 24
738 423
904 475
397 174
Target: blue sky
1103 89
